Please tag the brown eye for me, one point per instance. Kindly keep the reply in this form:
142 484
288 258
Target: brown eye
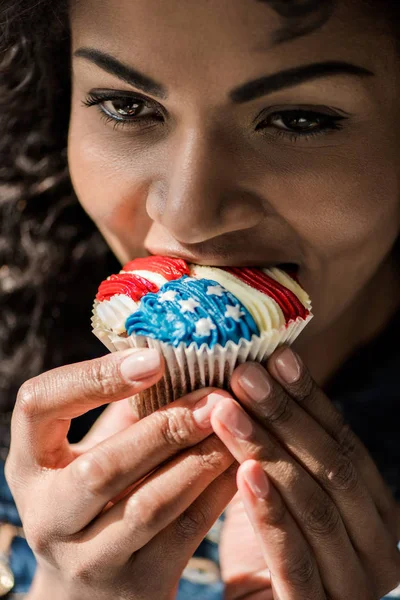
300 122
296 122
122 110
126 108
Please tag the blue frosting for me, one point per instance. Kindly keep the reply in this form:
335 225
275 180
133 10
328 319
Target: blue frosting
192 310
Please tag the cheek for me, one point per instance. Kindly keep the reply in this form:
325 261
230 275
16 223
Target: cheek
112 189
346 210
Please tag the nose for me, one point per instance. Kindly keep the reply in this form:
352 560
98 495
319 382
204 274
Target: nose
198 196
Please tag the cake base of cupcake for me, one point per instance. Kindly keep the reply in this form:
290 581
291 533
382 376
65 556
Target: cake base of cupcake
189 368
203 320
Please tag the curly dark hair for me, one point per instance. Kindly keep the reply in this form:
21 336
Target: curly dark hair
47 242
48 245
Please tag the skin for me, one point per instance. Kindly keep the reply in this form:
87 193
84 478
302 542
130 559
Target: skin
203 184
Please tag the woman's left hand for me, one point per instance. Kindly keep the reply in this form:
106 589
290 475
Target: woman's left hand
325 519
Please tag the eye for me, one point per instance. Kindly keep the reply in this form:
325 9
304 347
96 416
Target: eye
127 108
124 110
301 122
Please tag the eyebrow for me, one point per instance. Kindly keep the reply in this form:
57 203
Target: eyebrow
239 95
115 67
291 77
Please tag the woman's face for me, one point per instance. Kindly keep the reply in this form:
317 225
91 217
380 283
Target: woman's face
212 143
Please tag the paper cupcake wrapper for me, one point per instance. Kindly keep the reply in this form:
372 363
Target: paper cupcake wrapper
191 367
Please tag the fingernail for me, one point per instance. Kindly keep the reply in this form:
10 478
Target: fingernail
257 481
288 366
202 410
254 380
234 419
140 364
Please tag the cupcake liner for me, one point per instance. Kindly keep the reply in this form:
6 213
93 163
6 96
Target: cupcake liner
191 367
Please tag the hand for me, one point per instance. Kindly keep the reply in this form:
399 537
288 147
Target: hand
324 517
115 516
243 568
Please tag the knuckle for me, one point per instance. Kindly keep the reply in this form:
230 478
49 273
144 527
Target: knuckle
192 522
174 429
38 538
38 543
321 518
299 571
28 398
306 388
210 455
83 571
96 470
347 440
342 476
146 515
101 378
281 412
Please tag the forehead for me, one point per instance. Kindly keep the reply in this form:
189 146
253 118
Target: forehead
196 21
225 41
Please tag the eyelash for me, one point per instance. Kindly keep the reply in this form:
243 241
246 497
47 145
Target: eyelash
328 123
98 98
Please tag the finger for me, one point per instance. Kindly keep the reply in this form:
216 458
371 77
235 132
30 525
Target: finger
284 366
185 534
242 563
111 467
305 420
47 403
294 570
317 515
128 526
116 417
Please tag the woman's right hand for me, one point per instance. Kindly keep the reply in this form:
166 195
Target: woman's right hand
119 518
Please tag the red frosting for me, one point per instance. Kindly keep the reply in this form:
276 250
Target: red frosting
125 283
170 268
286 299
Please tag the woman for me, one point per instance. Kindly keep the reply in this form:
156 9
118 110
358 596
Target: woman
227 133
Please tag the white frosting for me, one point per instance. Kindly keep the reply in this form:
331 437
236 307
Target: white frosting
114 312
204 326
188 305
265 310
215 290
169 295
289 283
233 312
155 278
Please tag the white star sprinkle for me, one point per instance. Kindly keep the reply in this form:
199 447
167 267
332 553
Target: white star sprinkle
170 295
188 305
204 327
234 312
215 290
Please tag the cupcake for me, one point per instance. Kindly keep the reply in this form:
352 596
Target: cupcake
204 320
